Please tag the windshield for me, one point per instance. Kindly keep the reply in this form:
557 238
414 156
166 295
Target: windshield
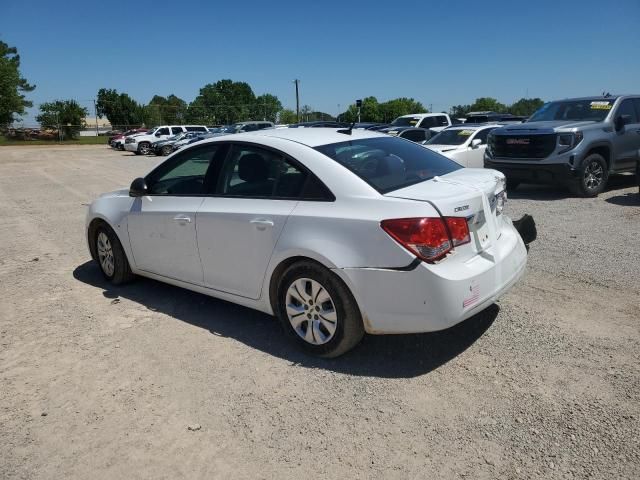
229 129
389 163
579 110
451 137
406 121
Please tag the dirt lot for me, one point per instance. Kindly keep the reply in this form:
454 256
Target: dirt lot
151 381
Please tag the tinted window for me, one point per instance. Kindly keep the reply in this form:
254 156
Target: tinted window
406 122
590 109
451 137
255 172
483 134
627 108
477 119
429 122
442 120
196 129
163 131
389 163
414 135
637 103
184 174
176 130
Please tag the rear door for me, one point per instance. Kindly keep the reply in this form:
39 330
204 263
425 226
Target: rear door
238 227
162 224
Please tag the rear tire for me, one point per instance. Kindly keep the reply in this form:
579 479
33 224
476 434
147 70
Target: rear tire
310 298
110 256
166 150
593 177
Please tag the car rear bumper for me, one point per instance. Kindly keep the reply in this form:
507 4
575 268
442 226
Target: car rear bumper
434 297
546 173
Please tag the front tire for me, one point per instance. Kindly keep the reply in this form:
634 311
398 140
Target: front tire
318 311
593 177
166 150
144 148
110 256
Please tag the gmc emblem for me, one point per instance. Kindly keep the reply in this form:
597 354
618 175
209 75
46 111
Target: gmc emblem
518 141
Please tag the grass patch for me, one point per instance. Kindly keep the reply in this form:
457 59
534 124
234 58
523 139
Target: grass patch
102 140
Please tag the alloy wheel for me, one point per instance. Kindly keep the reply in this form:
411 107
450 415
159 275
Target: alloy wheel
144 149
105 254
593 175
311 311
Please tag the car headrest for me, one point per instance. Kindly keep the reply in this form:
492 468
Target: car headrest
253 168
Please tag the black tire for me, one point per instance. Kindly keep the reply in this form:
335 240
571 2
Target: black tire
144 148
121 147
593 176
166 150
512 184
349 329
121 270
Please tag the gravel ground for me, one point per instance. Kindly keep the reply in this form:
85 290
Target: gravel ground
152 381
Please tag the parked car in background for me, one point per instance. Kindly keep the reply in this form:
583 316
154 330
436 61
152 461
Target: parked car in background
492 117
575 142
166 147
371 126
433 121
117 141
464 144
250 126
415 134
320 124
337 234
141 144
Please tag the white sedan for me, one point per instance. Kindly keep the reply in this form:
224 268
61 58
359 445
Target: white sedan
464 144
336 232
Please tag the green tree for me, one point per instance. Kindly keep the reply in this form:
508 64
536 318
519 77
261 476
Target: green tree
526 106
459 111
12 85
487 104
397 107
121 110
287 116
224 101
171 110
67 115
266 107
370 111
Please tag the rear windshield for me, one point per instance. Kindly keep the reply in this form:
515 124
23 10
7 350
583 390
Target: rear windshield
389 163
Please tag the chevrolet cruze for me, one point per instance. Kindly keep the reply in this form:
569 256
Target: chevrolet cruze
337 232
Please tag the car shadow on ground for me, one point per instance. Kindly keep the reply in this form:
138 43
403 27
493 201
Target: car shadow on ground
530 191
391 356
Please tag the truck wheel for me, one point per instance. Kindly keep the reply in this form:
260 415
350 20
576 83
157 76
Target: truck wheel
166 150
593 176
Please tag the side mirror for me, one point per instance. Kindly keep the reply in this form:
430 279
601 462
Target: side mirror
475 143
621 121
138 188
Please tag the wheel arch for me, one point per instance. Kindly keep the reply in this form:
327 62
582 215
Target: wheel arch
602 149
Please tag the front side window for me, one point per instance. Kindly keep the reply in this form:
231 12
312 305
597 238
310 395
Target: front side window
182 175
255 172
627 108
429 122
389 163
405 122
162 131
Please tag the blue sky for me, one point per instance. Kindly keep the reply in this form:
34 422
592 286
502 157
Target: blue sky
439 52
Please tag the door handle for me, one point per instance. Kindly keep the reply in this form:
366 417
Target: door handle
261 223
182 218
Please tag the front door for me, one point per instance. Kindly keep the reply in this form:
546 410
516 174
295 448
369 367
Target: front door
627 140
162 225
239 226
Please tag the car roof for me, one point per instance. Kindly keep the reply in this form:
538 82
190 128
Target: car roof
432 114
592 97
474 126
311 137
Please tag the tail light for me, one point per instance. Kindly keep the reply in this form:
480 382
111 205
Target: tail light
428 238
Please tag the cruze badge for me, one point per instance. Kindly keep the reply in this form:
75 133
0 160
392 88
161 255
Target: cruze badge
518 141
462 208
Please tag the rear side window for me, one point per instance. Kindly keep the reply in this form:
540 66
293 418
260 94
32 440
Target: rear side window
389 163
428 122
196 129
176 130
442 120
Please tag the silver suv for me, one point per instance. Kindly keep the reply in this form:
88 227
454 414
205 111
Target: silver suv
576 142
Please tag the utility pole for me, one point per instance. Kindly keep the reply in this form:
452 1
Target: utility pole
296 81
431 108
338 116
95 111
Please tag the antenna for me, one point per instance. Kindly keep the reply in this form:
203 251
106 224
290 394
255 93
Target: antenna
347 131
